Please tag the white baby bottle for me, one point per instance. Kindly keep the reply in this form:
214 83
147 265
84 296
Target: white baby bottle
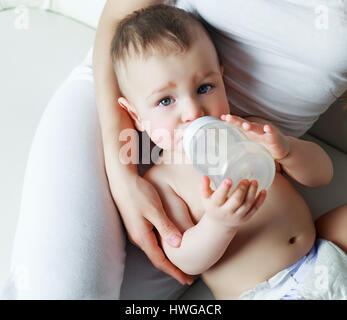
219 150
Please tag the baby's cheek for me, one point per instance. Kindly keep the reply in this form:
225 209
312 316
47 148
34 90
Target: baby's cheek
163 136
220 105
221 109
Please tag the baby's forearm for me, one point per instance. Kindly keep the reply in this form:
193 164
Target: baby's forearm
307 163
202 246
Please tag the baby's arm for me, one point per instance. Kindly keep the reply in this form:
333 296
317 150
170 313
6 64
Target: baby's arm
304 161
204 244
307 163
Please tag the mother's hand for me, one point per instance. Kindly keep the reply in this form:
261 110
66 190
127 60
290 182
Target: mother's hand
141 209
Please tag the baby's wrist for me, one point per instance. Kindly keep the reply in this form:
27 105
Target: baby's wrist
288 151
220 225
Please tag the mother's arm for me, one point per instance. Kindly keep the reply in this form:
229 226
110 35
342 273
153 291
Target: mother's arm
136 199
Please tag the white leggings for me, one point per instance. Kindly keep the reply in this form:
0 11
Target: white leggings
70 242
69 233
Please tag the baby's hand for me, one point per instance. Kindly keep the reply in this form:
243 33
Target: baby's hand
235 210
267 135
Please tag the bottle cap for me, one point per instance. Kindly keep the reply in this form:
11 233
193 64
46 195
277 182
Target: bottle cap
193 128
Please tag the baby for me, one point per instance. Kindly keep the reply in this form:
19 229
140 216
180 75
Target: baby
245 246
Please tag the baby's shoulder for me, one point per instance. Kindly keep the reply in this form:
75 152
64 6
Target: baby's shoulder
159 174
176 208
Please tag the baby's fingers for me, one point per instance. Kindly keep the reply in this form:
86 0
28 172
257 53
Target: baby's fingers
220 195
238 196
268 129
205 187
243 124
257 204
249 199
252 127
233 119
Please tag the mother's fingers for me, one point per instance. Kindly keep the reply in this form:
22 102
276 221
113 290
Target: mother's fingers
166 228
156 255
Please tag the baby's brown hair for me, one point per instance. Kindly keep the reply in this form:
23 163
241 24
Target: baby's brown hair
160 27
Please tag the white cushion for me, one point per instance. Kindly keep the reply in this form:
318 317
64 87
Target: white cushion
37 60
86 11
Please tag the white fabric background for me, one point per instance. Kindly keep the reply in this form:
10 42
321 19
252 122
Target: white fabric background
86 11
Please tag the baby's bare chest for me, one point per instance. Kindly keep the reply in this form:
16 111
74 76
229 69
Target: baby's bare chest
283 207
186 182
279 234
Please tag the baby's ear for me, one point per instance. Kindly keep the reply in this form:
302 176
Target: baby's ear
221 70
125 104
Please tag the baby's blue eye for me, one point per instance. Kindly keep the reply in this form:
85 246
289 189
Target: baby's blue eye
165 102
204 86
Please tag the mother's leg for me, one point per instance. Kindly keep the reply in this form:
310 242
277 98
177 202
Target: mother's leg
69 241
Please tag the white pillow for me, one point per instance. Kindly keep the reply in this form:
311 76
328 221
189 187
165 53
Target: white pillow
43 4
86 11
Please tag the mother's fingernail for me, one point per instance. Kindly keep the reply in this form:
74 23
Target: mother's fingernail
227 182
175 240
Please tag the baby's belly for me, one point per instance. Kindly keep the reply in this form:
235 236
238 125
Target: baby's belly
276 237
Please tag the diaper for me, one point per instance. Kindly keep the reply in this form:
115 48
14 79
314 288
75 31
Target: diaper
319 275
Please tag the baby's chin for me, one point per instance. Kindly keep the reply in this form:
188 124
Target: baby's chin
174 157
174 148
170 145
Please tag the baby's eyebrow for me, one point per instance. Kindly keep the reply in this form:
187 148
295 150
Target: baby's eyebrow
209 73
167 86
173 85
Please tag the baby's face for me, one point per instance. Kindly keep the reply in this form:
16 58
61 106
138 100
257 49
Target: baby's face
166 93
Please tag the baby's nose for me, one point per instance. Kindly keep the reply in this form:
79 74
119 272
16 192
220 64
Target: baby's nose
192 112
